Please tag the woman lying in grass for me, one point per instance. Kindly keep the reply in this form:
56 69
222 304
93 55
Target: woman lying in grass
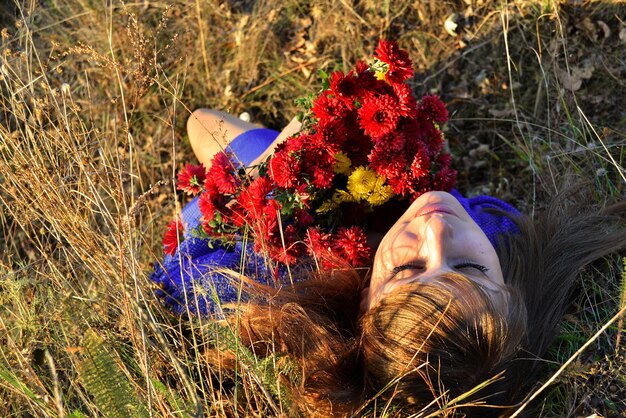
461 292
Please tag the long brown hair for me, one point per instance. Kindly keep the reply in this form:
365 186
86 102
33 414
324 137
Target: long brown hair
439 344
425 345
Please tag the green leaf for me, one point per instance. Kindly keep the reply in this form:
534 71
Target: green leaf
324 76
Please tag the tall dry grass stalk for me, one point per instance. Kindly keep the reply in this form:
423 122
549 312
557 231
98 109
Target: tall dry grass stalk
94 98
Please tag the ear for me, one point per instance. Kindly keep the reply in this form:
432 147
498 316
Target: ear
365 300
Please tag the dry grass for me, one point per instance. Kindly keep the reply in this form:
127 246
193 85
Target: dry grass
94 97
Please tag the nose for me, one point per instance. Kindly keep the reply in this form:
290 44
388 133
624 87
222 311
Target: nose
437 235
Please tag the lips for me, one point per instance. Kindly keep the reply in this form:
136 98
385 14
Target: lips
435 208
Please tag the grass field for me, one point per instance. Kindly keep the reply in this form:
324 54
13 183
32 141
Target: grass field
94 97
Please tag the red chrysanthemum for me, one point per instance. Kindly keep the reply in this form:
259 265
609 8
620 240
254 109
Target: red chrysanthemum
212 203
403 183
387 157
430 136
319 246
289 249
318 161
303 218
222 172
434 108
211 198
344 87
379 115
254 198
266 230
330 134
279 243
444 179
400 65
191 179
444 160
317 242
236 215
331 108
207 206
421 186
366 78
421 164
285 168
351 245
172 235
407 105
357 145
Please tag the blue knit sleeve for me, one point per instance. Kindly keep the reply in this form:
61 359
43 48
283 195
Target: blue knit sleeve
493 225
193 278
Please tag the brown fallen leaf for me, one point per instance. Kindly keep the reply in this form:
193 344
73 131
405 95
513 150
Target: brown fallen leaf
573 80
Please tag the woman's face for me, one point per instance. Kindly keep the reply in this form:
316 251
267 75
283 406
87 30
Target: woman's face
434 236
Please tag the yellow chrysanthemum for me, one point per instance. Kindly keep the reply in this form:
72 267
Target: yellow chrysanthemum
362 182
341 196
380 75
380 195
342 163
326 207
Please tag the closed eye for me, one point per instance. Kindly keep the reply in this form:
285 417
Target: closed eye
478 267
418 266
403 267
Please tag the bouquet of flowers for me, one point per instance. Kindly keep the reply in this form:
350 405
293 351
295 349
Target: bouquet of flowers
366 140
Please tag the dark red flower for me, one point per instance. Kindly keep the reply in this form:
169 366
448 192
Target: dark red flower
303 218
403 183
326 107
366 79
357 145
191 179
400 65
351 245
444 160
421 186
330 134
318 161
430 136
362 68
387 157
222 172
172 236
344 87
379 115
444 179
289 248
236 215
434 108
265 229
